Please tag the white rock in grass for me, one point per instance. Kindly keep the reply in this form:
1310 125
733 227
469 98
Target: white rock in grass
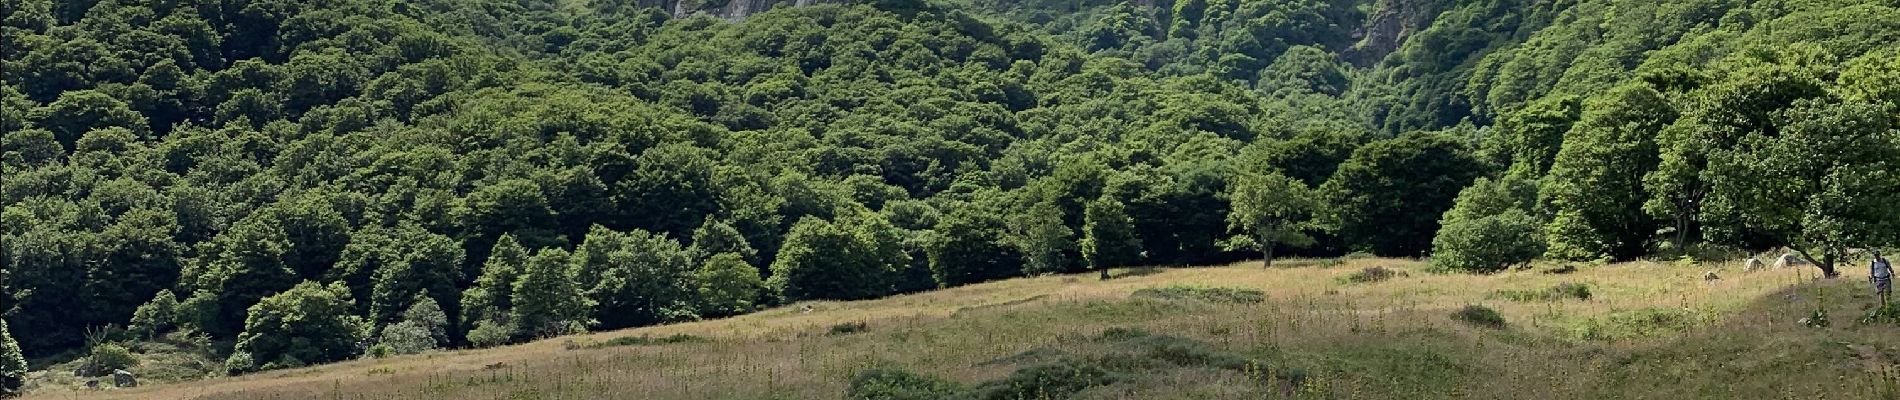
1789 260
1753 264
124 379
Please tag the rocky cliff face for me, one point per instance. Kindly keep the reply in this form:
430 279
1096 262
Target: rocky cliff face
1389 24
727 9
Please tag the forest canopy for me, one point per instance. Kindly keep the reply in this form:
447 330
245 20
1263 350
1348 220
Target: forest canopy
479 172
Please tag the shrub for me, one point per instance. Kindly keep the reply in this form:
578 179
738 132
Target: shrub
853 258
187 339
547 302
12 362
157 316
1487 244
644 340
1120 334
425 314
897 384
728 286
309 323
1207 294
380 350
407 337
848 328
491 333
1055 380
1558 292
106 357
240 362
1889 313
1371 275
1816 319
1480 316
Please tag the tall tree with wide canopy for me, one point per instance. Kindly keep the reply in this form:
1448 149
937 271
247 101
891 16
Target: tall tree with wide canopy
1270 210
1595 186
1824 184
1387 198
1108 235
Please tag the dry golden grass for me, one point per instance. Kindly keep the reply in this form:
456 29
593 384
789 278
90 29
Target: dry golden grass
1733 338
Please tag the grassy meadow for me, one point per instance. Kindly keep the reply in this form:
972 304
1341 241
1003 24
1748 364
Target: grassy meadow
1644 330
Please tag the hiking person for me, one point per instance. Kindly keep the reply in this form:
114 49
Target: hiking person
1882 277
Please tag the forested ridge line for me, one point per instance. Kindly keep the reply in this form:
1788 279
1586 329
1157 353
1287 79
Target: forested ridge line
299 182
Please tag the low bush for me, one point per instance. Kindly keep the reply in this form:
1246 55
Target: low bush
1480 316
106 357
380 350
848 328
1644 322
1487 244
1561 270
1371 275
1117 334
406 338
645 340
1055 380
896 384
1558 292
1138 271
1207 294
491 333
1127 355
1182 352
1889 313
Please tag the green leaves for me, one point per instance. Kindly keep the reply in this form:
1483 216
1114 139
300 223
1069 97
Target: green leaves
637 278
1596 181
547 299
12 363
310 323
76 113
1490 228
1270 210
1388 196
972 244
1818 185
1108 235
855 257
728 286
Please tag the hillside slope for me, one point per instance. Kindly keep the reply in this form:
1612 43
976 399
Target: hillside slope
275 184
1647 331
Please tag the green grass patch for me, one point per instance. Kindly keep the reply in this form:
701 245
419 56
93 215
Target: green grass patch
1638 323
1558 292
1371 275
887 383
1480 316
1125 355
1207 294
645 340
848 328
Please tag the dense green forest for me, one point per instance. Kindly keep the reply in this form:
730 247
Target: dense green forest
311 181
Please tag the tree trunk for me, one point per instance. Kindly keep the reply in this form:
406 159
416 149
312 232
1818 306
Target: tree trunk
1104 269
1826 263
1266 250
1827 268
1682 234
